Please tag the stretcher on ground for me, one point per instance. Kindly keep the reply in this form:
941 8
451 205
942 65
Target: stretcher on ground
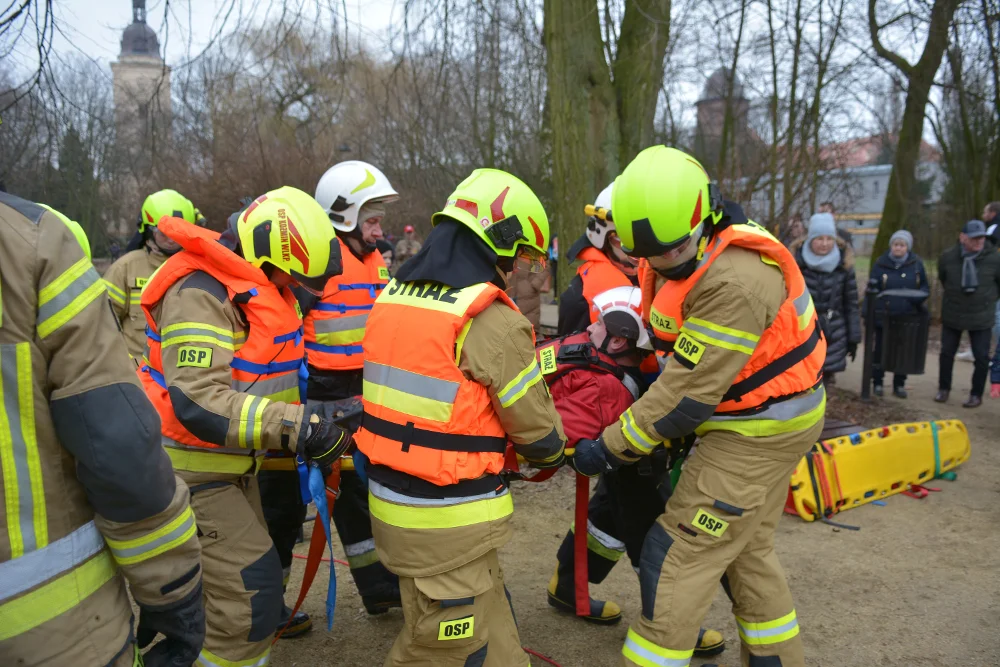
844 472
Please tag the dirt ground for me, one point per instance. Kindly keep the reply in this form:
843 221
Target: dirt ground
918 585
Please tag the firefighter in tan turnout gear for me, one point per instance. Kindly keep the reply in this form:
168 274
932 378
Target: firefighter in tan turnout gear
449 375
127 276
225 351
744 375
88 493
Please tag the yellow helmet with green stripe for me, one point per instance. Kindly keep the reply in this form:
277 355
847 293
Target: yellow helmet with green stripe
166 203
663 198
501 210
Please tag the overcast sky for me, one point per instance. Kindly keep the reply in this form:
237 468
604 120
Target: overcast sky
94 27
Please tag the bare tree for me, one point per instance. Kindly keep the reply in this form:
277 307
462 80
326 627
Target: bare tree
900 204
602 95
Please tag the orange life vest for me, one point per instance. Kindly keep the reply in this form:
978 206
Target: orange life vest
598 274
336 324
269 365
422 416
788 359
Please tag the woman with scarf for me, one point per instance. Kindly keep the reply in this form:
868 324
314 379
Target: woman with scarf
969 271
899 268
827 264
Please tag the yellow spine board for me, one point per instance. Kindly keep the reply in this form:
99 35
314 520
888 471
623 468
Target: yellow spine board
877 464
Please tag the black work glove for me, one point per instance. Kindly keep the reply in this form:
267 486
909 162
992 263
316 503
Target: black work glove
591 458
852 350
183 625
322 441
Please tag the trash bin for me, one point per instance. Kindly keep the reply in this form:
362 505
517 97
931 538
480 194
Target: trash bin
904 343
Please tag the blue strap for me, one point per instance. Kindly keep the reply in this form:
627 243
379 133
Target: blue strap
338 307
303 381
264 369
152 334
937 450
303 471
335 349
292 335
371 287
317 487
361 465
156 375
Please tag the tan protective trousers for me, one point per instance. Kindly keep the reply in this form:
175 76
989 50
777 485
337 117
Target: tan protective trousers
719 524
242 573
460 618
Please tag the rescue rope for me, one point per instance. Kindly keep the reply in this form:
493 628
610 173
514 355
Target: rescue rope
540 656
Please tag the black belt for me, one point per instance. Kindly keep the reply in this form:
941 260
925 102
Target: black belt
447 442
414 486
774 369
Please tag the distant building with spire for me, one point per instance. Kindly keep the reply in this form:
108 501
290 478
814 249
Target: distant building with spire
141 82
723 105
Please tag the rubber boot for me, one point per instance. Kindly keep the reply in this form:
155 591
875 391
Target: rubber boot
300 625
562 596
381 597
710 642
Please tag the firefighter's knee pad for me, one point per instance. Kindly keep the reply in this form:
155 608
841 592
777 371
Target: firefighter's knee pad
264 576
654 551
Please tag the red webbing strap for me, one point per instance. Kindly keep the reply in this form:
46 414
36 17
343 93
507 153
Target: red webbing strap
316 546
580 574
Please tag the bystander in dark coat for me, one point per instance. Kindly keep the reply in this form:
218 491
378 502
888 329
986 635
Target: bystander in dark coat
898 268
969 272
827 264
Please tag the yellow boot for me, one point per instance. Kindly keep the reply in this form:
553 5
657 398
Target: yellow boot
563 597
710 642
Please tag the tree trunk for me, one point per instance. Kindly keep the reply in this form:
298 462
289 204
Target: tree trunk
638 74
899 204
597 126
582 117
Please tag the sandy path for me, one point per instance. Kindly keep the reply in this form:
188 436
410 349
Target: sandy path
919 585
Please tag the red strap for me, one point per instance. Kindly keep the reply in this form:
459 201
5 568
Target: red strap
919 491
824 483
511 466
580 574
316 545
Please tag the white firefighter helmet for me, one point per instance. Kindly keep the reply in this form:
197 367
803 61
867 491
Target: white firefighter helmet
619 309
346 187
598 228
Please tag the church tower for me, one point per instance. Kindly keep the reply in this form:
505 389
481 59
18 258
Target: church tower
141 83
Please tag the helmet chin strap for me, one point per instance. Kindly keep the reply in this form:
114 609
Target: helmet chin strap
159 248
614 355
366 248
684 270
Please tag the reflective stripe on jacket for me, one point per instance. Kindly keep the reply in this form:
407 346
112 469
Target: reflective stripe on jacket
423 417
87 497
268 361
124 280
335 325
785 361
598 274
